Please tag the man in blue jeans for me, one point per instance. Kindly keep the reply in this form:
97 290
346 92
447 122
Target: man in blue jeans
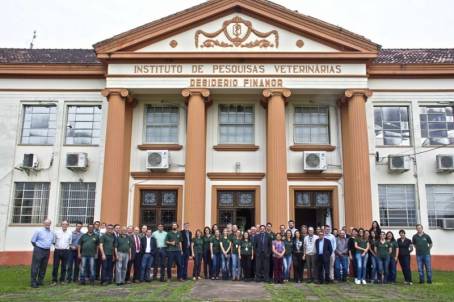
87 250
423 244
72 273
341 262
148 250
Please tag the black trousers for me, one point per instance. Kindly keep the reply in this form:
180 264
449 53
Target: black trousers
298 267
406 268
262 267
197 265
73 267
135 263
60 259
246 266
207 273
323 268
40 259
107 269
160 261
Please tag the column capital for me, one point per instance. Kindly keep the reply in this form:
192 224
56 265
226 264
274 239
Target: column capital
106 92
366 93
284 92
188 92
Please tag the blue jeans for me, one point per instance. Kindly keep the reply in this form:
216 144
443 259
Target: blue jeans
107 269
373 276
197 265
215 264
87 268
184 263
145 266
287 261
72 273
173 257
392 271
361 266
382 268
341 268
424 261
236 271
159 262
225 266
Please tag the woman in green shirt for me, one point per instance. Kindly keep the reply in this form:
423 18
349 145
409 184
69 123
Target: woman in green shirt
207 268
197 253
287 260
226 248
383 251
362 247
246 256
236 245
215 249
392 268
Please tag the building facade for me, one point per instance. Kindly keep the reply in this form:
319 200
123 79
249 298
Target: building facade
231 111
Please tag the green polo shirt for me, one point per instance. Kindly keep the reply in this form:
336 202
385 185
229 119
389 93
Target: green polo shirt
362 243
88 244
235 244
198 245
176 237
216 245
231 236
271 235
421 244
382 249
225 243
107 240
394 246
288 244
123 244
246 247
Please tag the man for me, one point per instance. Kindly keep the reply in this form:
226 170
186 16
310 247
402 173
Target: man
73 259
161 251
186 240
106 247
135 254
269 232
117 230
143 231
262 248
122 255
331 238
310 254
341 252
42 241
282 230
87 251
291 227
252 237
148 250
63 238
323 250
103 228
423 244
98 260
174 252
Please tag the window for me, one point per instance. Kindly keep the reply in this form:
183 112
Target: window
158 207
236 124
236 207
311 125
30 202
440 203
437 126
77 202
391 126
312 199
397 205
161 123
84 125
39 125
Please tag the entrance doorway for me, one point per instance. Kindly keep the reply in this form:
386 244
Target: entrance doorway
236 207
313 208
158 207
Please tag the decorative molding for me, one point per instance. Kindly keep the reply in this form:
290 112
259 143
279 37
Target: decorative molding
51 70
236 147
235 176
173 43
302 147
107 92
268 93
237 31
314 176
349 93
172 147
410 70
299 43
158 175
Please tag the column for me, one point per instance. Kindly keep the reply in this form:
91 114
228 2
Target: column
195 167
114 202
356 165
276 157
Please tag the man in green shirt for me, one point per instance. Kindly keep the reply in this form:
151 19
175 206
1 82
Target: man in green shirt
160 236
123 253
106 246
174 251
423 244
87 250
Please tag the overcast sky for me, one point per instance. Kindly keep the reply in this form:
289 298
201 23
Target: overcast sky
81 23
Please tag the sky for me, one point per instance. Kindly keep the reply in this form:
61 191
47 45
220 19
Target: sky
81 23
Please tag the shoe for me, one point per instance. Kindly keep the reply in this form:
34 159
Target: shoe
410 283
54 283
429 281
34 285
357 281
194 278
364 282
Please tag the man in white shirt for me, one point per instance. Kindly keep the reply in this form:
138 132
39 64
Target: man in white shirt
291 227
309 254
332 259
62 244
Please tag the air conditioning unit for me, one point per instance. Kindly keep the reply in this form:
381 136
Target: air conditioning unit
30 161
77 161
315 161
398 163
448 223
445 163
158 159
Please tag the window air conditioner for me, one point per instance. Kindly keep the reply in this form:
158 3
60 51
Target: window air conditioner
158 159
448 223
30 161
398 163
445 163
77 161
315 161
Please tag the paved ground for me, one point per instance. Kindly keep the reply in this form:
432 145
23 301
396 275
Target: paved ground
208 290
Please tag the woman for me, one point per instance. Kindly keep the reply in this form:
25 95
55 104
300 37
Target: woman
383 251
197 253
392 269
214 227
405 248
226 248
298 253
288 243
246 256
236 245
207 269
371 274
362 247
376 228
215 251
278 248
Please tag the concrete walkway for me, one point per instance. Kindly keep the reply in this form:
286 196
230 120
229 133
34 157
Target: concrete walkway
208 290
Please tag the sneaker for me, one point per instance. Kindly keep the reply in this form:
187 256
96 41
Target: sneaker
410 283
364 282
357 281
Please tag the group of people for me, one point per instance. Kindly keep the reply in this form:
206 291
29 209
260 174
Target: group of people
113 253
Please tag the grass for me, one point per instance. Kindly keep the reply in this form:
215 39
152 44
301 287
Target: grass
14 286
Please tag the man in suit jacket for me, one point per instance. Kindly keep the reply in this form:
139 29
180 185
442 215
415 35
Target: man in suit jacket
136 259
186 253
262 248
148 248
323 251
